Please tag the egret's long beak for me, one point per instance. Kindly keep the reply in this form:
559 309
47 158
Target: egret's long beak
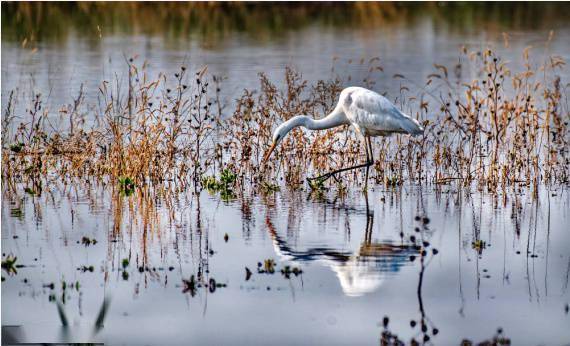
268 152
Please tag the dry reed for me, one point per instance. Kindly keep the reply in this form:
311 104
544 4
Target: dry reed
499 130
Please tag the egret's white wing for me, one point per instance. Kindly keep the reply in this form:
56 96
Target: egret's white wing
373 114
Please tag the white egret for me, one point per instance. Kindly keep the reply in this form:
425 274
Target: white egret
371 115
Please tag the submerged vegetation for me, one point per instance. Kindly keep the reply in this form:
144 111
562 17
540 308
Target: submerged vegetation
225 185
503 128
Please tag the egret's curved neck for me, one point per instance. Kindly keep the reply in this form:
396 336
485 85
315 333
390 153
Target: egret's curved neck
334 119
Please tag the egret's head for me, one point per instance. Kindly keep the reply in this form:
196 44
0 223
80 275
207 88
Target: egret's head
282 130
278 136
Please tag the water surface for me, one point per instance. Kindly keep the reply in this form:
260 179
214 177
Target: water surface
500 261
58 69
356 265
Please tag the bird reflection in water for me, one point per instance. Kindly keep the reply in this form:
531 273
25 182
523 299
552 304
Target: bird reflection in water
359 272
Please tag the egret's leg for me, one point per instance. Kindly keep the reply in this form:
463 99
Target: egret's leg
368 160
371 158
371 151
368 163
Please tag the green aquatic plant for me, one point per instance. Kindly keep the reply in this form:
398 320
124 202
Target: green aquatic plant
17 147
9 265
225 186
227 178
318 189
317 184
268 187
126 185
228 181
227 195
210 183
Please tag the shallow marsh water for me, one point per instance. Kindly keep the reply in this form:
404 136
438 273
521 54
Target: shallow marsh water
58 70
502 261
356 268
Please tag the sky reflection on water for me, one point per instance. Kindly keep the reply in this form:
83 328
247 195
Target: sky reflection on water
356 265
59 70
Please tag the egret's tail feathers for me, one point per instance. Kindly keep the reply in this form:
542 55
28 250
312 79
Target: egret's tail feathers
412 126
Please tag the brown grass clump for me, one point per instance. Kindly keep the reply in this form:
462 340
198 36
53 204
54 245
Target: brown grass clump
503 127
500 129
155 132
